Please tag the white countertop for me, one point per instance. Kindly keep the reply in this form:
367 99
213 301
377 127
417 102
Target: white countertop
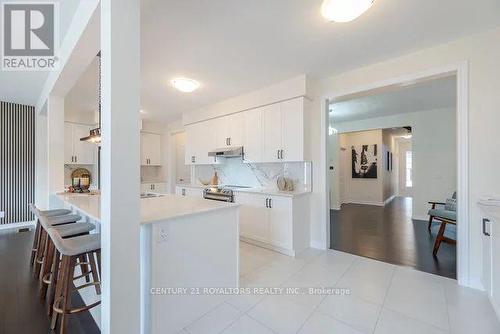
153 209
491 208
263 191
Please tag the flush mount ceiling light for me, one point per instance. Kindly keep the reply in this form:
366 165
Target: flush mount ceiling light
185 85
344 10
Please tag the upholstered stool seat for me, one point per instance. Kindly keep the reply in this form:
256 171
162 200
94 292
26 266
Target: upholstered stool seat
78 245
55 212
38 213
71 230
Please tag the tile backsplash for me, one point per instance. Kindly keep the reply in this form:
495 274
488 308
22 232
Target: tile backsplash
263 175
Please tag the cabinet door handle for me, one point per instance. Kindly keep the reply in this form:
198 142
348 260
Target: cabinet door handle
183 192
281 154
278 154
485 220
229 139
76 158
270 203
267 202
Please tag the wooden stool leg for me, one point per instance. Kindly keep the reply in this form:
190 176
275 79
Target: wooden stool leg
46 267
68 283
95 274
53 282
83 267
439 238
36 241
39 252
59 288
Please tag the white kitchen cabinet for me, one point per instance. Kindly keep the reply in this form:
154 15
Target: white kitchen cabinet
275 133
280 221
252 135
200 139
491 254
75 150
229 130
189 191
272 134
254 217
154 187
292 145
150 149
276 222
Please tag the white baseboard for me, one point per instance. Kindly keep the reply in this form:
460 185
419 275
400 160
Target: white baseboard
367 203
15 226
254 242
420 217
387 201
317 244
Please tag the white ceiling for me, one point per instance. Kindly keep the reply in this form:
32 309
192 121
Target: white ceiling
233 47
429 95
82 98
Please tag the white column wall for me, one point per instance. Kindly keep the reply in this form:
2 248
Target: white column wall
41 159
55 148
120 239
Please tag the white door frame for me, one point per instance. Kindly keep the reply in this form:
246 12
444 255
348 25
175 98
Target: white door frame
461 70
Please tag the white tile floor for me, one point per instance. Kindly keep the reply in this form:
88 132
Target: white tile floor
383 299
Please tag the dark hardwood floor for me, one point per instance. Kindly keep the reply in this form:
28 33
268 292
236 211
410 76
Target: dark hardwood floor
21 311
389 234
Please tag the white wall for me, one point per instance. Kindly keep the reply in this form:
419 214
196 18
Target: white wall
361 191
482 52
388 174
434 154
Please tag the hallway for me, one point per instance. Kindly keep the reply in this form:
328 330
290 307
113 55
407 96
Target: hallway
389 234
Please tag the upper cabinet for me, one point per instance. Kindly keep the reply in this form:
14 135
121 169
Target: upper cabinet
273 133
229 130
200 139
75 150
150 149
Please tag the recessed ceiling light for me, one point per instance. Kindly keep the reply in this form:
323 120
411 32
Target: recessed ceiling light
344 10
185 85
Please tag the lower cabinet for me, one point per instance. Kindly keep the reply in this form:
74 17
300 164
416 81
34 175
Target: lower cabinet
156 187
491 258
189 191
277 222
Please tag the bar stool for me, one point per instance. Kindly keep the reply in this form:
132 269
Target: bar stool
51 260
46 213
71 250
49 222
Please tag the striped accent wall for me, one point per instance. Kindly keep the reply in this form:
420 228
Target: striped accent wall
17 162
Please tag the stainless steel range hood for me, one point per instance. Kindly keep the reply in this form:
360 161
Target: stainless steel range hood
227 152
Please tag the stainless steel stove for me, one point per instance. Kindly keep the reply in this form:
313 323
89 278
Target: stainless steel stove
221 193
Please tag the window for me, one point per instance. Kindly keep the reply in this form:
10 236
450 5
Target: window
409 181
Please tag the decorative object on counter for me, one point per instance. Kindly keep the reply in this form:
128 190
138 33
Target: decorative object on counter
80 179
285 184
204 182
215 179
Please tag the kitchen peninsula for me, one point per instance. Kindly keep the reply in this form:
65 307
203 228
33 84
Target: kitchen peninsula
185 243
